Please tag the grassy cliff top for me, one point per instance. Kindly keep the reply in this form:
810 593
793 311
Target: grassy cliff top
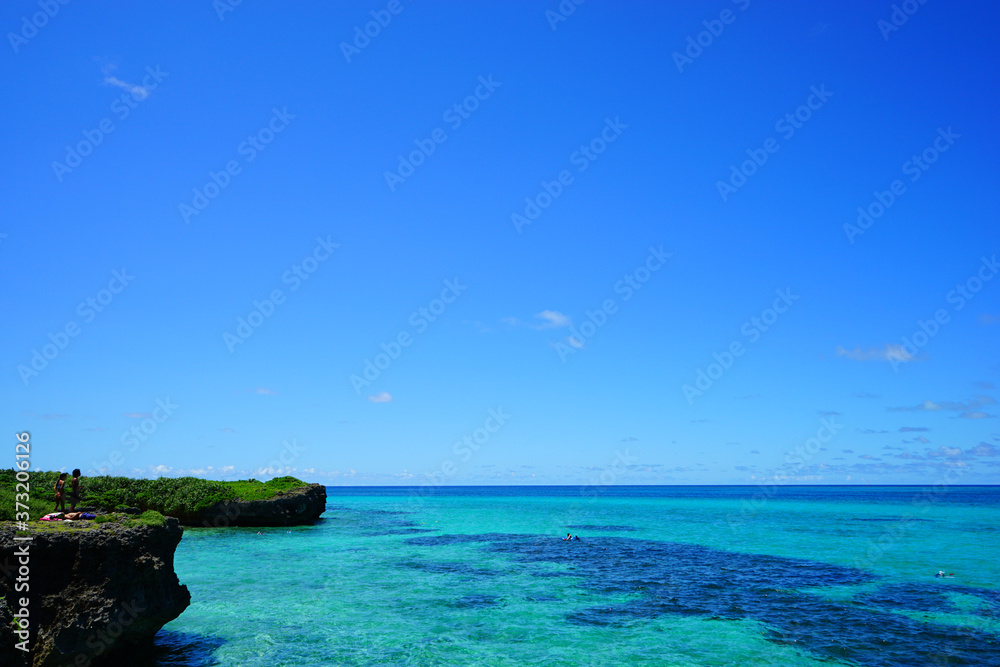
111 521
166 495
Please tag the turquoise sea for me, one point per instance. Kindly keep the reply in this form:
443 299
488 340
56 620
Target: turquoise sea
661 576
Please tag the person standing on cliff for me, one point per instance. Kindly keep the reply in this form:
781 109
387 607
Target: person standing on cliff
60 490
74 490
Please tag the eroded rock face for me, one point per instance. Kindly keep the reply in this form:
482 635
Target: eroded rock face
96 595
292 508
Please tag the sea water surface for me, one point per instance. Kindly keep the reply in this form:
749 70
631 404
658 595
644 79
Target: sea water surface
661 576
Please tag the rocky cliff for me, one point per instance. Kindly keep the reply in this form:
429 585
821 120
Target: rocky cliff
96 593
291 508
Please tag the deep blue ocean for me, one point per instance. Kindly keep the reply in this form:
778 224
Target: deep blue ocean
660 575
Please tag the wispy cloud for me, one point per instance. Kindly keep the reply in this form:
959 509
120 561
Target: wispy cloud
828 413
945 452
967 408
139 92
891 352
870 431
227 430
913 429
552 319
138 415
381 397
864 394
264 392
985 449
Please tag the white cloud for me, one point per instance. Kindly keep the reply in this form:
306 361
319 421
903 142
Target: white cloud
138 92
985 449
967 408
381 397
891 352
553 318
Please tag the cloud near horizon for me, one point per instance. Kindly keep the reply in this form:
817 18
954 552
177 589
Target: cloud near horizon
969 408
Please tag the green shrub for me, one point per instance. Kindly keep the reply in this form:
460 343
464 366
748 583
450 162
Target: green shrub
150 518
254 490
180 496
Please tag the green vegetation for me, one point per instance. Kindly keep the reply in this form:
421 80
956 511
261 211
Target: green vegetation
103 521
254 490
180 496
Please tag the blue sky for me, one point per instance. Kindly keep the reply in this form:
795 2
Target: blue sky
218 218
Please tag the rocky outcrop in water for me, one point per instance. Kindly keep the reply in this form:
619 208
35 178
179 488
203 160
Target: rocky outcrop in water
291 508
97 594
